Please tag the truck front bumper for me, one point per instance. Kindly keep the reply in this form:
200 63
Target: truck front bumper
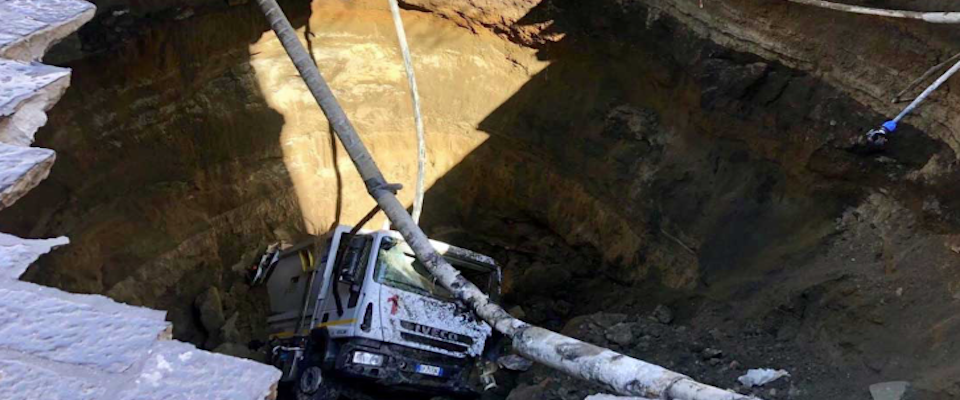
399 368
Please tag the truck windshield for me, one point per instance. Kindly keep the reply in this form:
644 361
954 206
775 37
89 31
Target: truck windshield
401 270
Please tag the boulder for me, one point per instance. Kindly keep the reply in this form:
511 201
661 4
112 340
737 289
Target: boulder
210 307
894 390
621 334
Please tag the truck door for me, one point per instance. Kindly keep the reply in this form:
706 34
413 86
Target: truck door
342 305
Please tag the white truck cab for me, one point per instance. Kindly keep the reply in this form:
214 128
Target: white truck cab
360 306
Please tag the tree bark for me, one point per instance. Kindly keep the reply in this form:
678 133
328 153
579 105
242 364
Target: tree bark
615 372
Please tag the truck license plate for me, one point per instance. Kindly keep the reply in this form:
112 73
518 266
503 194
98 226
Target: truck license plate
429 370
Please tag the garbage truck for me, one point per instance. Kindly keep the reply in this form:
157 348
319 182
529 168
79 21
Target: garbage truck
357 307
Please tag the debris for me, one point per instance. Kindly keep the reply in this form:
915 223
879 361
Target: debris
621 334
793 392
889 390
607 320
760 377
709 353
486 376
514 362
875 361
663 314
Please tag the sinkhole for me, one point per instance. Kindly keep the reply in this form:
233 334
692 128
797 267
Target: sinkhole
634 166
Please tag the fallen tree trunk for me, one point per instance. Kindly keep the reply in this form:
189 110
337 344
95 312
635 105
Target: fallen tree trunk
617 373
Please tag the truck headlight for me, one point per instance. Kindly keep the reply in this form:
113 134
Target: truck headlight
364 358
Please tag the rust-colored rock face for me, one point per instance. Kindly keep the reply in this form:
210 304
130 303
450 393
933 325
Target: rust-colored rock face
634 151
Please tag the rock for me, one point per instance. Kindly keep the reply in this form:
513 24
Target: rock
953 243
528 392
229 331
517 312
621 334
875 361
662 314
576 325
17 254
606 320
21 168
793 392
210 307
709 353
762 376
716 334
654 330
514 362
894 390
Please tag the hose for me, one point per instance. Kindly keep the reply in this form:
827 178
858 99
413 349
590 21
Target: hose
421 146
878 136
924 77
926 93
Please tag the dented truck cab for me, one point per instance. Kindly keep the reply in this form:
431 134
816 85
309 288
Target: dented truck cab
367 310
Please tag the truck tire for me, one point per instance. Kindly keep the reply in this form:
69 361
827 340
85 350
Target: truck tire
312 385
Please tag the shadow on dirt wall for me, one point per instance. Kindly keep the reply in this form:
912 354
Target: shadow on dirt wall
169 166
680 161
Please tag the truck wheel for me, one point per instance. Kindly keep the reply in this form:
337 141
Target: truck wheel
312 385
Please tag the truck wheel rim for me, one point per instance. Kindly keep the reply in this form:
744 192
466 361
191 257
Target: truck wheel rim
310 380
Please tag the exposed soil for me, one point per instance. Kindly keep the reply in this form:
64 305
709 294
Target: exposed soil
838 317
614 156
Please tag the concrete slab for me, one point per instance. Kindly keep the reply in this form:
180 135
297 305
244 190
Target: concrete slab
70 329
22 169
176 370
17 254
30 27
27 91
26 381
